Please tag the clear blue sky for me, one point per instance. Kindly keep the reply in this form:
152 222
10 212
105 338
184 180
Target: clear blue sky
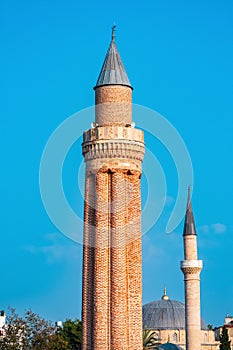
178 56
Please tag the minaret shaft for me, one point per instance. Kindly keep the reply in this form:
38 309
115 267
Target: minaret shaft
191 270
190 247
113 104
112 289
192 284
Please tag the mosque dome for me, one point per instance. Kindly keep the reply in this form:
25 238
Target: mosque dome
165 314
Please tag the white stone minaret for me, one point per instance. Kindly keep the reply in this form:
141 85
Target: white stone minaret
191 268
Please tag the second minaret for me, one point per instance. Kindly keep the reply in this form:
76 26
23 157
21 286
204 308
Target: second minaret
191 268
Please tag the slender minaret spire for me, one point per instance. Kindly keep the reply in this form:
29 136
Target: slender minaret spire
191 268
112 280
113 32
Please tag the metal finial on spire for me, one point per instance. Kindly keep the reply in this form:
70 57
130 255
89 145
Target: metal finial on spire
113 32
165 296
189 194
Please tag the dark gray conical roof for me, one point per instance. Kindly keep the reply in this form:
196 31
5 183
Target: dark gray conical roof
189 224
113 71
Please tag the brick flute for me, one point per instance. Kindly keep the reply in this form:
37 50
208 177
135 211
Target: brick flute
112 279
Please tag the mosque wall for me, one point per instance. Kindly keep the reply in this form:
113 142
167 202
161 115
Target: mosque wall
177 336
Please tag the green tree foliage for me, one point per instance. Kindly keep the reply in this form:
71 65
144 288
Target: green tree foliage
149 340
31 332
13 332
37 331
224 340
71 332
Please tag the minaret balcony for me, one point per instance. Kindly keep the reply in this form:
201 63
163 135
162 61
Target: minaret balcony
191 267
191 263
188 264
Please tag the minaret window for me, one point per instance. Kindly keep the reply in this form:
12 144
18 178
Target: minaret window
175 337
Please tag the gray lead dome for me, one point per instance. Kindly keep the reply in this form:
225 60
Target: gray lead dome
165 314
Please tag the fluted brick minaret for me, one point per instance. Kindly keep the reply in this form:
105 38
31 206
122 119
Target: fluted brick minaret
191 268
112 280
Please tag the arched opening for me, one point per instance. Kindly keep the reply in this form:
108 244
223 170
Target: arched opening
175 337
205 338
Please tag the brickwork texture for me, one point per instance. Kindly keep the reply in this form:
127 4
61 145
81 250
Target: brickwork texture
112 277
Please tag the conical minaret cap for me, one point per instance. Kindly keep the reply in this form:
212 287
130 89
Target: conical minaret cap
189 224
113 71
